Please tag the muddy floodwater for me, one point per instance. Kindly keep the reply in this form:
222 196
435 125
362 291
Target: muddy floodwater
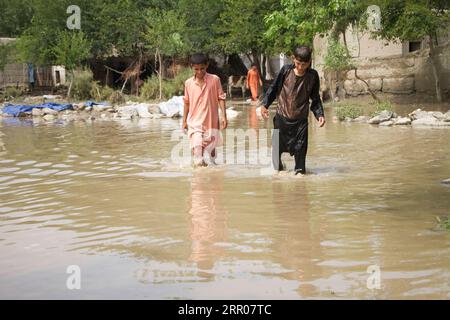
106 198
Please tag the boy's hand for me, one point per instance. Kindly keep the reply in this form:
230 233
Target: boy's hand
265 112
184 127
224 123
321 122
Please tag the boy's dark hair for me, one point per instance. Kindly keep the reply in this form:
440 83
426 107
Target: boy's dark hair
199 58
303 53
254 64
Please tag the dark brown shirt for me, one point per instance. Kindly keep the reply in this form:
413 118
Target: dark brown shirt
294 92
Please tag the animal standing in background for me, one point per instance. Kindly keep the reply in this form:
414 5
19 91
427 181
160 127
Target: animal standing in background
237 82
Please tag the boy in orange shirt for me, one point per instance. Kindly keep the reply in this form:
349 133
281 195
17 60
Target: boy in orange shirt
253 79
203 94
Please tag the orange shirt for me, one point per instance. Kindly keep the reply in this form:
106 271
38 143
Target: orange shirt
253 78
203 103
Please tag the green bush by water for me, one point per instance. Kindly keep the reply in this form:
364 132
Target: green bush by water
348 111
380 107
170 87
12 92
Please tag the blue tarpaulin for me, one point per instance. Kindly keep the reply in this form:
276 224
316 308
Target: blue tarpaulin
15 110
92 103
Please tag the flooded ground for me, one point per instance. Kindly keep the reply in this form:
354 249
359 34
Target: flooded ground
107 197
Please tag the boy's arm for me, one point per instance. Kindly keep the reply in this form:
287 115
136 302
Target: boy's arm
316 102
185 114
222 96
223 110
186 107
274 89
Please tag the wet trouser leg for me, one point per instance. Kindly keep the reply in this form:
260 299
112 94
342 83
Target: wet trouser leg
276 147
276 159
300 156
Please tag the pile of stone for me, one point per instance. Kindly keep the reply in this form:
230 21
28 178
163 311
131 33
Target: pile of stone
418 117
85 111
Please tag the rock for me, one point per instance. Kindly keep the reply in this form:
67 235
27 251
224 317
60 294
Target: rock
402 121
375 120
127 112
174 107
49 111
101 108
375 84
419 114
398 85
78 106
362 119
348 119
142 110
37 112
385 115
447 116
438 115
51 97
49 117
431 121
387 123
154 108
446 181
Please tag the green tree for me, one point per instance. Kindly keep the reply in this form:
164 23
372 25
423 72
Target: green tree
240 29
6 51
15 17
299 21
71 51
201 17
163 36
414 20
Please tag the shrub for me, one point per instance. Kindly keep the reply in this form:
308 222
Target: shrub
349 111
101 93
12 92
170 87
150 88
82 84
380 107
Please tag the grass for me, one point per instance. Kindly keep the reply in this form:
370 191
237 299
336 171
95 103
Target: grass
444 223
348 111
12 93
170 87
345 110
380 107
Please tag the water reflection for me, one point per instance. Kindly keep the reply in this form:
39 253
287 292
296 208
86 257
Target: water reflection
298 247
208 222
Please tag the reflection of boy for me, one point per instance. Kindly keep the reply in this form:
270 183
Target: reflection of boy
202 94
294 86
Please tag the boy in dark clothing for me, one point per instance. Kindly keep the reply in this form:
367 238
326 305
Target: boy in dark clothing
294 86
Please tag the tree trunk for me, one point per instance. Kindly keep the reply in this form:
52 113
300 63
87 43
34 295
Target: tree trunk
256 60
374 96
331 85
70 85
432 56
160 75
263 68
123 86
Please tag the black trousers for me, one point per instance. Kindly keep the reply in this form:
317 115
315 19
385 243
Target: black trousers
290 136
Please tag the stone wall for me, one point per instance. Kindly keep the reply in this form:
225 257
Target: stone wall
400 75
